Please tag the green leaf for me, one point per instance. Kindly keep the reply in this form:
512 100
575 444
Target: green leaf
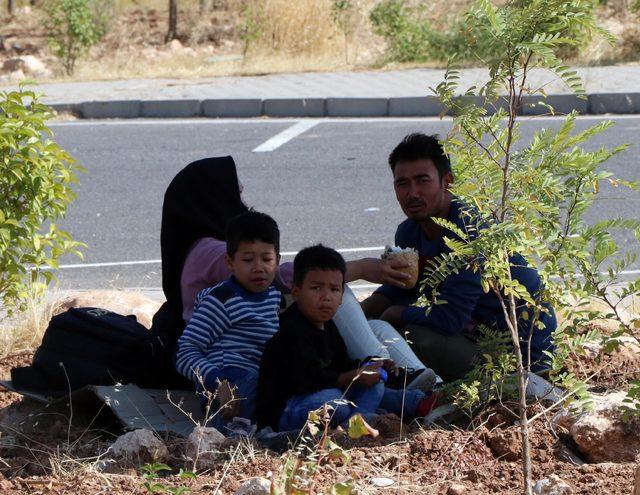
358 428
344 488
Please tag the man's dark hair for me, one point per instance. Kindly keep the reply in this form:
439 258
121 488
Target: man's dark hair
418 146
252 226
317 257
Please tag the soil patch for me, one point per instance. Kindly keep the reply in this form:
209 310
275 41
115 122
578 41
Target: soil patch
43 452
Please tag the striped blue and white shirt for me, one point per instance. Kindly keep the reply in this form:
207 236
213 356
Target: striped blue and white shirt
229 327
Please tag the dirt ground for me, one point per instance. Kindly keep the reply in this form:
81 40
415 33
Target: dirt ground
42 452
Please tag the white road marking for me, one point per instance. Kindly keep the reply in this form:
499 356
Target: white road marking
153 262
285 136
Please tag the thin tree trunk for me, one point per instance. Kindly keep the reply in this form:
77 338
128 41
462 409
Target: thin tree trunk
173 21
10 7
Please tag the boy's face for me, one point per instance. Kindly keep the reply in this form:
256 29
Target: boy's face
319 295
254 265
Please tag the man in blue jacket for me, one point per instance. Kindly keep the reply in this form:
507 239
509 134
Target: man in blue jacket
445 338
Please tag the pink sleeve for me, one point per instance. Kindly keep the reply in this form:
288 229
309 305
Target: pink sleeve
206 266
284 277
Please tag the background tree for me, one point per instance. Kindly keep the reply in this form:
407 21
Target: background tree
10 7
36 177
172 33
74 26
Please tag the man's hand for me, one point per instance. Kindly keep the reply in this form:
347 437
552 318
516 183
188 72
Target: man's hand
393 315
378 271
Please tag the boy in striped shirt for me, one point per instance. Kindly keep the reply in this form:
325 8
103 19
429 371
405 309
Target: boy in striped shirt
221 347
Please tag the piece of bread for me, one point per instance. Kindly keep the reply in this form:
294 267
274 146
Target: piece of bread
411 257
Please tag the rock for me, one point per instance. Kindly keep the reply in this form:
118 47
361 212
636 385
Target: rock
203 446
16 76
109 466
118 301
175 45
552 485
601 435
457 489
33 66
13 64
255 486
140 446
382 482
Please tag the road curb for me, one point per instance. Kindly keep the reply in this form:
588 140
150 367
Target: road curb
406 106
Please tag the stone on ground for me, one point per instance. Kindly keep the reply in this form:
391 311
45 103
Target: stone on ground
601 434
553 485
175 45
203 446
456 488
119 301
255 486
140 446
33 66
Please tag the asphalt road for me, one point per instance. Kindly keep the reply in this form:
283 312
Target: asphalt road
329 184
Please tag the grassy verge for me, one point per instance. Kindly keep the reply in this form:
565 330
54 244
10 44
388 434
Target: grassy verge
251 37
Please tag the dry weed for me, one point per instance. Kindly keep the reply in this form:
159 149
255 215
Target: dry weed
23 331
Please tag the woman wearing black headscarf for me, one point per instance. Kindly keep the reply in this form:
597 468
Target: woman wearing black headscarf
199 201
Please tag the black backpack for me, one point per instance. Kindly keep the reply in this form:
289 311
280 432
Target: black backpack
94 346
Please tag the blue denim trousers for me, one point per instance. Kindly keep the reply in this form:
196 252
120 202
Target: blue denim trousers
365 401
246 383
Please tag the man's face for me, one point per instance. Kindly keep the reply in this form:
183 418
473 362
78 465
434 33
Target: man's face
419 189
254 265
319 295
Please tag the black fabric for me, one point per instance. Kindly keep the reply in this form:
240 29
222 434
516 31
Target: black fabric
92 346
198 203
299 359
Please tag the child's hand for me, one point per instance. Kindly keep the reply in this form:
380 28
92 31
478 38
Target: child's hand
227 400
369 375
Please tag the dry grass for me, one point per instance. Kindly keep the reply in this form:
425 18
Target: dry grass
250 37
23 331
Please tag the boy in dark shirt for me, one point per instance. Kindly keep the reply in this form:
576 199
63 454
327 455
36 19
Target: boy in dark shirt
306 365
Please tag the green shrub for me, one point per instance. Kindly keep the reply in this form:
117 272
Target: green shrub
74 26
35 189
410 37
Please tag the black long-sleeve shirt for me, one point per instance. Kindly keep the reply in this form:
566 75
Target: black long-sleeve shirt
299 359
